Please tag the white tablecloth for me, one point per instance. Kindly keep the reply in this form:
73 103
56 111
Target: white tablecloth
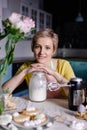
51 107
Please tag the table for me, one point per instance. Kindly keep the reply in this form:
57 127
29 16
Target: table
51 107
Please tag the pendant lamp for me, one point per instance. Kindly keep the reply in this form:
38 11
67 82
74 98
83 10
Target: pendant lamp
79 17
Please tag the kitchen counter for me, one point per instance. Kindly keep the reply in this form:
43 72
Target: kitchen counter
71 53
23 59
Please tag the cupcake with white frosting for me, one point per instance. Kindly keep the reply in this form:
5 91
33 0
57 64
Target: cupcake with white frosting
76 125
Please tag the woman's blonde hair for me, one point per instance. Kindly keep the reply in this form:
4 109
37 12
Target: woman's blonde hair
46 33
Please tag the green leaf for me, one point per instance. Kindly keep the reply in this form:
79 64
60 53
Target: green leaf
7 46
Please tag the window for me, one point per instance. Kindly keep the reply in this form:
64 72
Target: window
41 20
48 20
24 10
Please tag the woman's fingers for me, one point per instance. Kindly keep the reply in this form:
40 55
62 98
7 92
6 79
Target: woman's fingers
42 67
37 65
33 69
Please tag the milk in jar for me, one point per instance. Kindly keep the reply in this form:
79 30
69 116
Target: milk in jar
38 87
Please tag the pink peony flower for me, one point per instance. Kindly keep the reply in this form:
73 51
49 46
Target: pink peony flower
25 24
14 18
29 22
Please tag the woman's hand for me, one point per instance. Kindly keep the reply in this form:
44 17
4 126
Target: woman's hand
51 74
33 68
41 67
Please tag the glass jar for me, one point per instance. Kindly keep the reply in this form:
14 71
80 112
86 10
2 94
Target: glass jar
38 87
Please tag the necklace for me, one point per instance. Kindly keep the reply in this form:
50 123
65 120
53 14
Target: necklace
51 64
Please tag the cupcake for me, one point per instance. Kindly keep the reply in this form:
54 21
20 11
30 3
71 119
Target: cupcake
81 112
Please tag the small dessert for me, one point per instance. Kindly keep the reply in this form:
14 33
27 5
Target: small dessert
12 127
30 111
59 118
9 105
81 113
30 116
20 118
41 117
49 124
5 119
77 125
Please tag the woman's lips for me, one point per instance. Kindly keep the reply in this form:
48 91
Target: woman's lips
41 57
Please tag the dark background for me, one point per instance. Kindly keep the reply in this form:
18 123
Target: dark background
64 13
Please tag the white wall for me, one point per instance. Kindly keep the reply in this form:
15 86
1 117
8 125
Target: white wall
0 15
23 50
2 48
14 5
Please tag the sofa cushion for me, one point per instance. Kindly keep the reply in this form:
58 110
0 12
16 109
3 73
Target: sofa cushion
80 68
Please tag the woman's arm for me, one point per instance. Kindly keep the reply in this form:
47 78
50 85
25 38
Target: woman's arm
16 80
59 78
49 72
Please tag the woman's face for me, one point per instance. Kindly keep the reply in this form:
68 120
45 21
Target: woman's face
43 50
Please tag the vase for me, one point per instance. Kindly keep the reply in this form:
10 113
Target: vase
1 98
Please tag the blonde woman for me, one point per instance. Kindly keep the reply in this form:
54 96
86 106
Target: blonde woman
44 46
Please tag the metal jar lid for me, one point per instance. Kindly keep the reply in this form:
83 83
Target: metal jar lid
76 79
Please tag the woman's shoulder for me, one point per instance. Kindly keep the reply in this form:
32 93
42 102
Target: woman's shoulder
60 60
28 63
63 60
24 65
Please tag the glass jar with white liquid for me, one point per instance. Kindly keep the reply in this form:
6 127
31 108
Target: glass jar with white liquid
38 87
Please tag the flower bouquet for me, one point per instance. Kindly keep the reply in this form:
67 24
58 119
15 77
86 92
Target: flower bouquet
15 28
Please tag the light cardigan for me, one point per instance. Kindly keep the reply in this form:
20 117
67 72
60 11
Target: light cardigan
63 68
